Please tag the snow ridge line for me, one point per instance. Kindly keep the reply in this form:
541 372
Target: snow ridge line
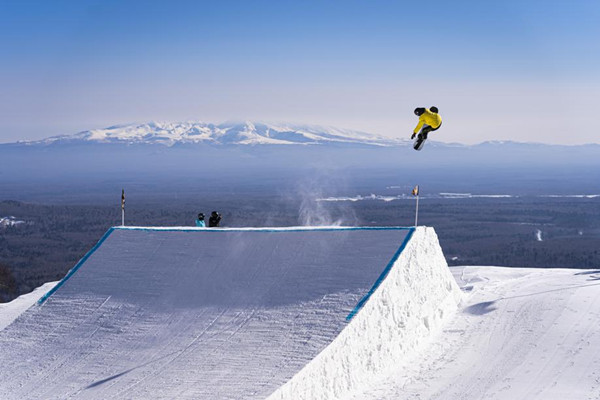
383 275
76 267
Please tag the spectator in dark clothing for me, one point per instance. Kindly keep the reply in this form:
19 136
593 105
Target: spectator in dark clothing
215 218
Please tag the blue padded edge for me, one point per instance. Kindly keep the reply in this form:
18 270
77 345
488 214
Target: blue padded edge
295 229
383 275
76 267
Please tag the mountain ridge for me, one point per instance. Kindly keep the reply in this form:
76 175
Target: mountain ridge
246 133
250 133
262 134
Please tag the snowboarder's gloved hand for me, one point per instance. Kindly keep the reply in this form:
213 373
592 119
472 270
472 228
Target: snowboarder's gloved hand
413 135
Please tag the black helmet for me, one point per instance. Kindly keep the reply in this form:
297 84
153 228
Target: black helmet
434 109
419 111
214 213
201 216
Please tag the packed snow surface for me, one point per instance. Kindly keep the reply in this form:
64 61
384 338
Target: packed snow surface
192 314
232 314
521 333
410 306
10 311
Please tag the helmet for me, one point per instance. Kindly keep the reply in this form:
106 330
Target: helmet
419 111
201 216
434 109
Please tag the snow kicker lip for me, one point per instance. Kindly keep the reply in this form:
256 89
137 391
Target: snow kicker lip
265 229
383 275
414 300
76 267
269 305
255 303
82 261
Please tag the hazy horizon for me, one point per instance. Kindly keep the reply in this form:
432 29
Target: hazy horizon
437 138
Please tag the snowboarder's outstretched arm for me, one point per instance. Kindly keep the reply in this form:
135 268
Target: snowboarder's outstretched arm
419 126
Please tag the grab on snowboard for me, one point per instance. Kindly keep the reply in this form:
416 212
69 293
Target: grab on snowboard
429 120
419 142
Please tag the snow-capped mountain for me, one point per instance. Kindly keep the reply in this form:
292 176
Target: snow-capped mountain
161 151
246 133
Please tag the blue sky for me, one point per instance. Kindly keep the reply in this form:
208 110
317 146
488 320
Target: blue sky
509 70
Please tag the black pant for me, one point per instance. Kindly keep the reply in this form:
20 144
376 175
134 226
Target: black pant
425 130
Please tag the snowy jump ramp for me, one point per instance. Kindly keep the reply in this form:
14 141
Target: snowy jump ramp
279 313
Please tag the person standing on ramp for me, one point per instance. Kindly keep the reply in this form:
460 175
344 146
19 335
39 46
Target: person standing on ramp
214 220
429 121
200 223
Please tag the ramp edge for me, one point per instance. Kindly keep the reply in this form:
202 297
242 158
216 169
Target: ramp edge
76 267
381 277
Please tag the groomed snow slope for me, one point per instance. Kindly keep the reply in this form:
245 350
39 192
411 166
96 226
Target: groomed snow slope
11 311
410 305
521 333
224 313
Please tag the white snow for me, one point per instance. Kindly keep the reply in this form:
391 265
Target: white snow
10 311
472 196
372 196
538 235
573 196
246 133
415 299
9 221
192 313
521 333
388 198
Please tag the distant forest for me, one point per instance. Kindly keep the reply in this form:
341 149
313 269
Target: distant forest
516 232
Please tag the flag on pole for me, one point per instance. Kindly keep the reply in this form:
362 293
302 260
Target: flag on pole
415 191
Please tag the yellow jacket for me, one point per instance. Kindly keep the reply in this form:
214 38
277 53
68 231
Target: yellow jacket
430 118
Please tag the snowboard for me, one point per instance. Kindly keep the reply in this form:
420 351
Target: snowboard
419 143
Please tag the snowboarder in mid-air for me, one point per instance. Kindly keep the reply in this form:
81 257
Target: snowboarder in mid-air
429 121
